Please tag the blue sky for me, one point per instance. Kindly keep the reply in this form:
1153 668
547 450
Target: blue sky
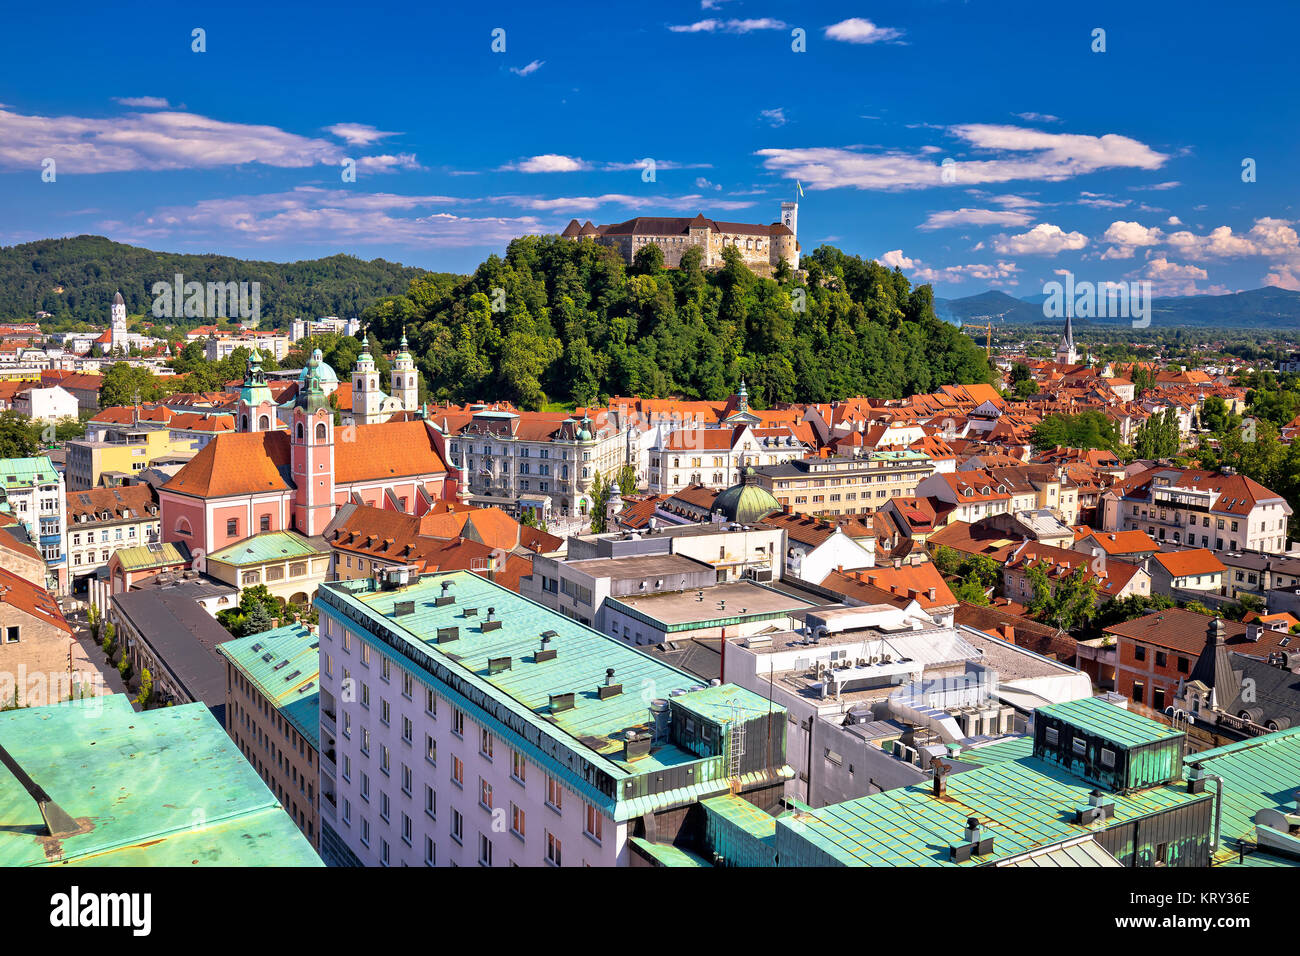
1123 164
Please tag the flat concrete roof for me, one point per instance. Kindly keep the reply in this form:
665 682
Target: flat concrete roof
743 599
638 566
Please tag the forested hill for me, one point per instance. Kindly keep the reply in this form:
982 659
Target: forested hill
572 322
90 269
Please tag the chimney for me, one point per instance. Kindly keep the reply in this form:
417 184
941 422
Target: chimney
609 677
939 770
973 830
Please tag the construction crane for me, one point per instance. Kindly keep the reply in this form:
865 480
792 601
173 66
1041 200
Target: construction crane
987 329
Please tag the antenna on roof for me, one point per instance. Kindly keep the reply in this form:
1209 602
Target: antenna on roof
56 820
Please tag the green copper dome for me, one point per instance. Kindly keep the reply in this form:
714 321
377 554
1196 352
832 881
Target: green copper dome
746 502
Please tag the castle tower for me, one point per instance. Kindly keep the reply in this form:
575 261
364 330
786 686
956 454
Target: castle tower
367 399
1066 353
255 411
790 216
117 324
312 457
404 385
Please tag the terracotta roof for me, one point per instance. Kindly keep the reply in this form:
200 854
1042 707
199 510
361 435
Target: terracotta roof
802 528
1019 630
1183 630
23 595
239 463
137 499
386 450
1118 542
1112 580
1192 561
921 583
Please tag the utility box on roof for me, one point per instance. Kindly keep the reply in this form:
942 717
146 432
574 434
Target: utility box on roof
1108 745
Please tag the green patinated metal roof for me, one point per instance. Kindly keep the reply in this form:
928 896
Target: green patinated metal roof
1023 804
264 547
152 556
667 855
284 664
1011 749
165 787
1263 773
592 727
743 815
1123 727
725 704
25 471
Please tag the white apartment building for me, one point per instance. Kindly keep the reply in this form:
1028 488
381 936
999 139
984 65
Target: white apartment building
535 461
464 725
1198 509
715 457
34 493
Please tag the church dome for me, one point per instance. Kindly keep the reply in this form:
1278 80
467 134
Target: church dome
746 502
118 300
323 371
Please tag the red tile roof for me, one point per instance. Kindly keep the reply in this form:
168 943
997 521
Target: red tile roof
31 599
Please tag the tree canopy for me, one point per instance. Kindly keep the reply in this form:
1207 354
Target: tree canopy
556 319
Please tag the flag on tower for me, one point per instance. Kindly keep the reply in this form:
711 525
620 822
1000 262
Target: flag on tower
799 186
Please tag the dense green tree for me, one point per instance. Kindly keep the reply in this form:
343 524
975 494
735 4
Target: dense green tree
1157 437
1069 602
1090 429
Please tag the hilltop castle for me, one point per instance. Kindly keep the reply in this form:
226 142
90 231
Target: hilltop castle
761 247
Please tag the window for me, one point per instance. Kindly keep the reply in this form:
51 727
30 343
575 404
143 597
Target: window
232 527
1162 659
430 750
485 743
431 704
1139 691
406 729
484 794
457 826
593 826
518 767
484 850
11 634
458 722
554 794
406 780
365 787
264 523
406 829
516 820
430 852
552 849
365 831
457 771
430 802
1139 652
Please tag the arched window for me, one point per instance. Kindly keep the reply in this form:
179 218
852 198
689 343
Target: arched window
183 526
263 423
320 431
243 419
300 431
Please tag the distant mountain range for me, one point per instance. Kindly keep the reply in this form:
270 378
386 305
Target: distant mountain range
1267 308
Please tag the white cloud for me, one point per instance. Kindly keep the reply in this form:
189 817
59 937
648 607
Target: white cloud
167 140
1267 237
547 163
694 202
1037 117
1017 154
387 163
1158 187
1127 237
729 26
1171 278
975 217
1174 221
532 67
774 117
330 216
858 30
143 102
357 134
702 183
1004 272
1287 277
1044 239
